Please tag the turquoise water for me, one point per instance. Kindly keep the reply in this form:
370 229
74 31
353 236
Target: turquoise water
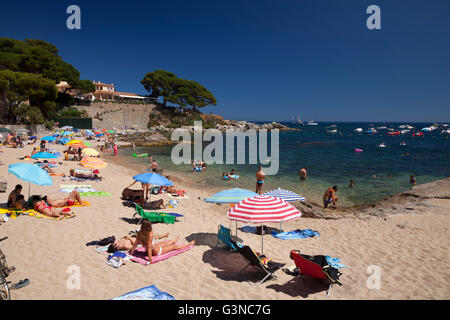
331 160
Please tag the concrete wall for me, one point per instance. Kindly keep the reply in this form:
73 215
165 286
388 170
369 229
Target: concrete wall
107 115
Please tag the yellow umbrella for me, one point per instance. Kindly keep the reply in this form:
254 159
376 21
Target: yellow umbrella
73 141
90 152
93 163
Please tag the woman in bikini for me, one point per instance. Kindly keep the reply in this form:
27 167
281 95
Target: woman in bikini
73 198
42 207
127 242
145 237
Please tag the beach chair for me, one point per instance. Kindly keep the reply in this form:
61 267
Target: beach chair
316 267
224 235
153 216
260 262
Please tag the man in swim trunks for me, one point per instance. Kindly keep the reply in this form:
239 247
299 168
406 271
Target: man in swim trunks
412 180
330 196
302 173
260 176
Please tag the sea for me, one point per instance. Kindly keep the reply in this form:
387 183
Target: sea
330 159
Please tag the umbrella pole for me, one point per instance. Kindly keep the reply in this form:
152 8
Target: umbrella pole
262 239
29 187
235 233
280 227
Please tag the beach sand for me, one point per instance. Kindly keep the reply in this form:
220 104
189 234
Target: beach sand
410 249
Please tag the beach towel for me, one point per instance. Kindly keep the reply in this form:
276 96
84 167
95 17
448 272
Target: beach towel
117 259
140 255
296 234
56 174
31 213
80 188
334 262
147 293
95 194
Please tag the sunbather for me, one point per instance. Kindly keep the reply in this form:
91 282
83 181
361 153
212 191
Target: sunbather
73 198
127 242
91 176
145 237
42 207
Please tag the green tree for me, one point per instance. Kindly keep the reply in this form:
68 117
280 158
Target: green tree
182 92
18 87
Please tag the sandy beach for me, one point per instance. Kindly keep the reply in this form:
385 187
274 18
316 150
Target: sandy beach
411 249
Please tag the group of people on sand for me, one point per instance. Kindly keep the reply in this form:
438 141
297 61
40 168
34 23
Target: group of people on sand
44 205
14 140
73 154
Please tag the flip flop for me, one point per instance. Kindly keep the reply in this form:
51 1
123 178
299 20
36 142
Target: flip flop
20 284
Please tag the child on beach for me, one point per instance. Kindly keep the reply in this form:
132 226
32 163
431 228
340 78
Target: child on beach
145 237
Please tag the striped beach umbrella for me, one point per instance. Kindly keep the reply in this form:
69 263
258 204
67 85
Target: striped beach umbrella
263 209
286 195
73 142
78 145
93 163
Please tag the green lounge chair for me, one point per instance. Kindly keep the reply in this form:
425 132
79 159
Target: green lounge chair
153 216
224 235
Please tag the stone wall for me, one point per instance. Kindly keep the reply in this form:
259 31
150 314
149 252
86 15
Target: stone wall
35 129
109 115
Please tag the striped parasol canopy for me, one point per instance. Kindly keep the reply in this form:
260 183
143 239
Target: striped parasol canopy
262 209
286 195
93 163
78 145
73 142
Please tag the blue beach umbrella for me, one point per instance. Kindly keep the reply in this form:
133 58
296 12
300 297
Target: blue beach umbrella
48 138
234 195
32 137
285 195
63 140
88 133
44 155
67 133
153 178
231 196
30 173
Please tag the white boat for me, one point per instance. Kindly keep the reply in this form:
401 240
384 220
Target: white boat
358 130
382 128
405 131
382 145
332 131
311 123
296 120
402 126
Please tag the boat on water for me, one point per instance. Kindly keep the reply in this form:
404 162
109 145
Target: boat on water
359 130
296 120
311 123
382 128
382 145
331 130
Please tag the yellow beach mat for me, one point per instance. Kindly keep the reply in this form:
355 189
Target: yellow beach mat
30 213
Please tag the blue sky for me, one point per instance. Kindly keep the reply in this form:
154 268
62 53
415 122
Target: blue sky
263 60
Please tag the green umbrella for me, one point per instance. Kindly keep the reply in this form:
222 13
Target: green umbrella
5 130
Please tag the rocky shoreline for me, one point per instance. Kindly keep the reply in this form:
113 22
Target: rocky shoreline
160 135
411 201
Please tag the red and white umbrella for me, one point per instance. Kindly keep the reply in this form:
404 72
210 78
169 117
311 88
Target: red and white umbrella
261 209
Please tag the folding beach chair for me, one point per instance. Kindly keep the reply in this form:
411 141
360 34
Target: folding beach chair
256 260
316 267
224 235
153 216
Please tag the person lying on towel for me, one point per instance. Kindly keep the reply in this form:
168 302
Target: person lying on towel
127 242
145 238
91 176
42 207
73 198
